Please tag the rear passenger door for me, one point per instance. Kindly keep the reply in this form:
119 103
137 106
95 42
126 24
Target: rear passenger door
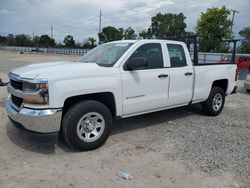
181 76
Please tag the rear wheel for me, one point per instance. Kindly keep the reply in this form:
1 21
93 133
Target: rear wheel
215 102
248 90
87 125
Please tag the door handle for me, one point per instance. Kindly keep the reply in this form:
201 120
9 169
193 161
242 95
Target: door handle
188 73
162 76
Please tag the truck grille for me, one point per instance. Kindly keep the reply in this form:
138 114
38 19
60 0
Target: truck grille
16 84
16 101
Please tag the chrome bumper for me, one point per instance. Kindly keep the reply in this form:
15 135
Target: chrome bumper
36 120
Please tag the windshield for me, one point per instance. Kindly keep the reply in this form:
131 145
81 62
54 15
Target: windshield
106 54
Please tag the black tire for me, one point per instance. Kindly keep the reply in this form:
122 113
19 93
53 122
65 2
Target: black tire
248 90
72 118
208 105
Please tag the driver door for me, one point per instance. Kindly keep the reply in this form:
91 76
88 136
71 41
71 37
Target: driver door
145 89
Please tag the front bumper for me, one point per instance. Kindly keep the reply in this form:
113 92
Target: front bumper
36 120
247 85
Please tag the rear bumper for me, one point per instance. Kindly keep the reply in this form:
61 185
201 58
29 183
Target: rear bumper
35 120
234 90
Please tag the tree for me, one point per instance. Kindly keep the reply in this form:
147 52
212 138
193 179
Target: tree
143 34
3 40
245 45
69 41
90 43
60 45
110 33
167 25
146 34
46 41
36 41
23 40
129 33
120 34
11 40
78 45
214 26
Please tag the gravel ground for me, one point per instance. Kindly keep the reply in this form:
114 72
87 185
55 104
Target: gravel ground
173 148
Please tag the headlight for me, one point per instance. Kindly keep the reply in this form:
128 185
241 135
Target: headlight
31 87
36 93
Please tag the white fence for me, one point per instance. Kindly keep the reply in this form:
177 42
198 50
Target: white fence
203 57
66 51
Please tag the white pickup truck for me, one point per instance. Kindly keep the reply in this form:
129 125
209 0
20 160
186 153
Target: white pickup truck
117 79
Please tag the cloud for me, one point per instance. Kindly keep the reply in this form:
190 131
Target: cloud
135 5
81 17
4 12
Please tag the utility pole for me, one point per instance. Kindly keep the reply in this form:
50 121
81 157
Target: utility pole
100 22
234 11
51 31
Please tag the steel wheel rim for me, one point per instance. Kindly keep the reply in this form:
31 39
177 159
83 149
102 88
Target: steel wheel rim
90 127
217 102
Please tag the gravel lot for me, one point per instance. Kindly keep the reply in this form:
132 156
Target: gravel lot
173 148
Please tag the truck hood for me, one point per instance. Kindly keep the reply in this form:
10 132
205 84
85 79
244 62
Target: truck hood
58 69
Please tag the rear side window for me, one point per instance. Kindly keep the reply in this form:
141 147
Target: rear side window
152 52
176 55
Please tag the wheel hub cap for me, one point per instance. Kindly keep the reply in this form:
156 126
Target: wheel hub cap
217 102
90 126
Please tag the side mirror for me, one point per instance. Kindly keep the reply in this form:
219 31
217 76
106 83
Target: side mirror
137 63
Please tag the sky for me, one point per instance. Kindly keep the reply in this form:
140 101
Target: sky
80 18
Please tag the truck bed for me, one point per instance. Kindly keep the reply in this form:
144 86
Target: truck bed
205 74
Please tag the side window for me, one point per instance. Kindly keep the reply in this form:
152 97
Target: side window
176 55
152 52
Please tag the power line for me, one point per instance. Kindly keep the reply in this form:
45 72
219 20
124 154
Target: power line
100 22
234 11
51 31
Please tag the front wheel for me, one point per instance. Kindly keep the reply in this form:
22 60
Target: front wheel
87 125
215 102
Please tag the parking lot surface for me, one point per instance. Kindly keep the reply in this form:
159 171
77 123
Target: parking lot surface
173 148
